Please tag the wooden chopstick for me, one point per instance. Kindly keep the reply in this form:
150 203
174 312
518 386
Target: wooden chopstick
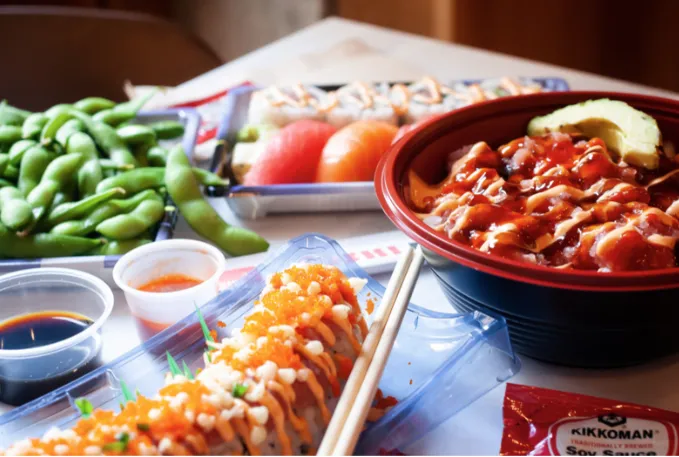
366 356
346 442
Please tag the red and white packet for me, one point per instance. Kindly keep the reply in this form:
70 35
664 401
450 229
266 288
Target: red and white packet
541 421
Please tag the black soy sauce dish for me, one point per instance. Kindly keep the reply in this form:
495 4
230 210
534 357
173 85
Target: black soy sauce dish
50 330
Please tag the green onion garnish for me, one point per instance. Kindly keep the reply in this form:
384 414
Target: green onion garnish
174 368
127 395
239 390
187 370
209 357
120 445
85 407
203 325
143 427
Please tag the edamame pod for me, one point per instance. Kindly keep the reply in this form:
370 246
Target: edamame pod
43 245
115 247
79 209
33 165
15 212
157 156
137 134
102 212
11 172
49 131
68 129
90 173
207 178
139 179
167 130
108 140
57 173
9 134
9 115
33 125
4 161
58 109
123 112
18 149
131 225
92 105
186 194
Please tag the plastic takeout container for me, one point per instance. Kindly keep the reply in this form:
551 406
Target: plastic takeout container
253 202
102 266
26 374
440 362
155 311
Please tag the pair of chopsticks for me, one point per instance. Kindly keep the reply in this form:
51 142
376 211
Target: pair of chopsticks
359 392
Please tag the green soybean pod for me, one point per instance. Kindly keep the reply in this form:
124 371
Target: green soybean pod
102 212
207 178
137 134
157 156
10 115
92 105
115 247
80 209
18 149
43 245
49 131
167 130
33 165
53 180
5 183
111 117
33 125
131 225
136 180
58 109
185 192
9 134
69 128
11 172
15 212
108 140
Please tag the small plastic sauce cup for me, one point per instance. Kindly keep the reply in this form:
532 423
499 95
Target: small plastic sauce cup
155 311
28 373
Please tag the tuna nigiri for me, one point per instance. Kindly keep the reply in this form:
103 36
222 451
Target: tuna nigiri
353 152
292 154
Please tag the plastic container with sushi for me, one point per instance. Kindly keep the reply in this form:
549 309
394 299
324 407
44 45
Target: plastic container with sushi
439 364
315 149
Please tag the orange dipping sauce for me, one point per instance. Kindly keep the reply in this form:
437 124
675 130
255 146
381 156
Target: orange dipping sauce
170 283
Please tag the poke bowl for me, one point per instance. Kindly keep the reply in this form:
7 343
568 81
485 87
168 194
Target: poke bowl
569 311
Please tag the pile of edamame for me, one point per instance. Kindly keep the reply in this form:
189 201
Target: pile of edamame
84 179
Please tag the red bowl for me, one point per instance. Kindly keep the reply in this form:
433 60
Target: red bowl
497 122
546 308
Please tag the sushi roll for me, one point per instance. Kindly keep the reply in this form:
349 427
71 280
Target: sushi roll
426 97
362 101
494 88
282 105
268 389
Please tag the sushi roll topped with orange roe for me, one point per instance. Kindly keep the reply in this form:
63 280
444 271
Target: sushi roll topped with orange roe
268 388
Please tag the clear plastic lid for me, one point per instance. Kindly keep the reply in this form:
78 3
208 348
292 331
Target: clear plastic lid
440 362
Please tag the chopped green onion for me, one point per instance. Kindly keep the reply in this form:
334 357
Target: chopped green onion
127 395
142 427
85 407
174 368
209 357
203 325
239 390
120 445
187 370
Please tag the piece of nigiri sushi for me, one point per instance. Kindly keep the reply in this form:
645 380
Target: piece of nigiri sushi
362 101
282 105
353 152
291 155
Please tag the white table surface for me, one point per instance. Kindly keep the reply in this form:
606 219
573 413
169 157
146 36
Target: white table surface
476 430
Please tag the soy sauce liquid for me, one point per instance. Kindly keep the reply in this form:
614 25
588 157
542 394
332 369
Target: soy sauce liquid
22 380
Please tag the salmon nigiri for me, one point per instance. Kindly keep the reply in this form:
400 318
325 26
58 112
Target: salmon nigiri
353 152
292 154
